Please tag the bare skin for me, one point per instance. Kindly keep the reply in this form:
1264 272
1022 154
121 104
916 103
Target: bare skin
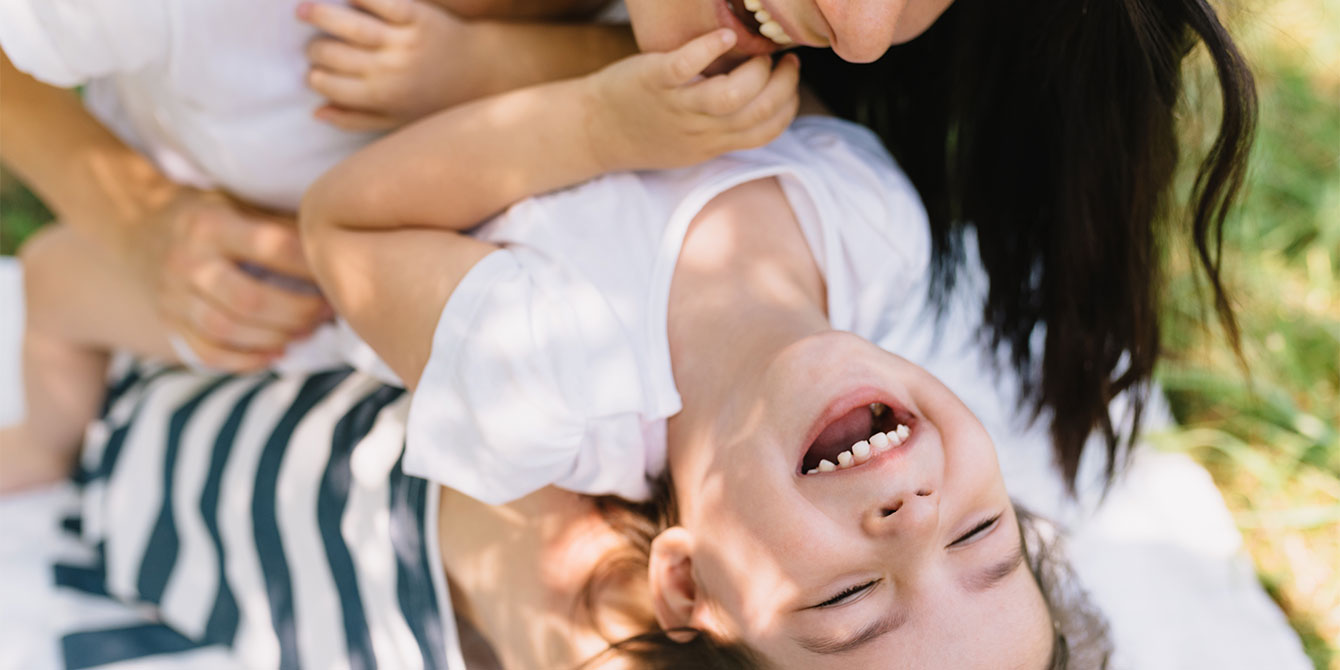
754 358
155 258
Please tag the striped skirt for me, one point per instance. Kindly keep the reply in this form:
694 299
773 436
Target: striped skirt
259 521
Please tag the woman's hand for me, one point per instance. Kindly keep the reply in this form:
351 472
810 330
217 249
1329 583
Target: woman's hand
657 110
384 63
189 257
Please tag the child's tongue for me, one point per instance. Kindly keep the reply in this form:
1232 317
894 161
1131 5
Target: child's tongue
849 429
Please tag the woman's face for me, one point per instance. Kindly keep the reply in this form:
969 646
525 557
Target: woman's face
859 31
910 559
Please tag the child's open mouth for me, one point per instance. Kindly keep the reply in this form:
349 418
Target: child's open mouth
857 437
757 20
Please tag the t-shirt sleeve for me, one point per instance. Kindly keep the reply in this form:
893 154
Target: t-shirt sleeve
68 42
510 402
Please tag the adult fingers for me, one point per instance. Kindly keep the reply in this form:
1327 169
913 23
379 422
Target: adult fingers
767 129
269 243
354 120
346 23
225 330
680 66
336 56
341 89
726 94
256 302
391 11
216 357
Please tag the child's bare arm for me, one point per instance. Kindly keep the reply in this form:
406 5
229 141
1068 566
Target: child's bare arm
390 62
650 111
380 228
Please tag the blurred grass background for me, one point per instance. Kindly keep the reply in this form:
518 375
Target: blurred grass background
1271 437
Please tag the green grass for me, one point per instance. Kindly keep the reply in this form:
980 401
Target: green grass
20 214
1271 438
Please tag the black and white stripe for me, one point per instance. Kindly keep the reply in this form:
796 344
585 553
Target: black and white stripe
259 521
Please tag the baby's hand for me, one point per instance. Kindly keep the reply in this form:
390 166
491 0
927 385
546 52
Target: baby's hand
383 63
656 111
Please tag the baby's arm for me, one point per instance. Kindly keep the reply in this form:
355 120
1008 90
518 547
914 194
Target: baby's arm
379 228
390 62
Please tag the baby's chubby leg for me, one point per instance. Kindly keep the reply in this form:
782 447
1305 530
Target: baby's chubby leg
79 304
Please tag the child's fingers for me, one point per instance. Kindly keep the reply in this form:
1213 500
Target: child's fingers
688 61
355 121
392 11
726 94
781 91
346 23
767 130
336 56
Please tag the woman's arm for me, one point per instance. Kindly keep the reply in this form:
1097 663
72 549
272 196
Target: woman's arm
91 180
179 246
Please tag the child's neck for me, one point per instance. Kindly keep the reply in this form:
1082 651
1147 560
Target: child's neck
746 286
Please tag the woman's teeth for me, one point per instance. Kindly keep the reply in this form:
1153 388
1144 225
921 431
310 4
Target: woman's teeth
766 25
864 450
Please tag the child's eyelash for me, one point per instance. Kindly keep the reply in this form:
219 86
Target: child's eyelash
846 594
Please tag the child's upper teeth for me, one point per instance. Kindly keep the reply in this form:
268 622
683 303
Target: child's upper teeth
753 5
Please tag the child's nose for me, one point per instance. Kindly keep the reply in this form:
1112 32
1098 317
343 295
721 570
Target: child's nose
910 514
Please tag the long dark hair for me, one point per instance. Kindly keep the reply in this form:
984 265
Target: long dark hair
1048 127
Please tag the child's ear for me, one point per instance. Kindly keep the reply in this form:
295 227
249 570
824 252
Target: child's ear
670 573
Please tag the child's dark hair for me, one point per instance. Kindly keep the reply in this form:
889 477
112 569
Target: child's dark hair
1080 636
1048 126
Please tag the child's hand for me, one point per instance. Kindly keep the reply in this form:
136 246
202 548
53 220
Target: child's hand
384 63
655 111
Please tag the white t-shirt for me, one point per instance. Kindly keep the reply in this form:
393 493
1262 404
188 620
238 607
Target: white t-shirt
550 363
213 92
